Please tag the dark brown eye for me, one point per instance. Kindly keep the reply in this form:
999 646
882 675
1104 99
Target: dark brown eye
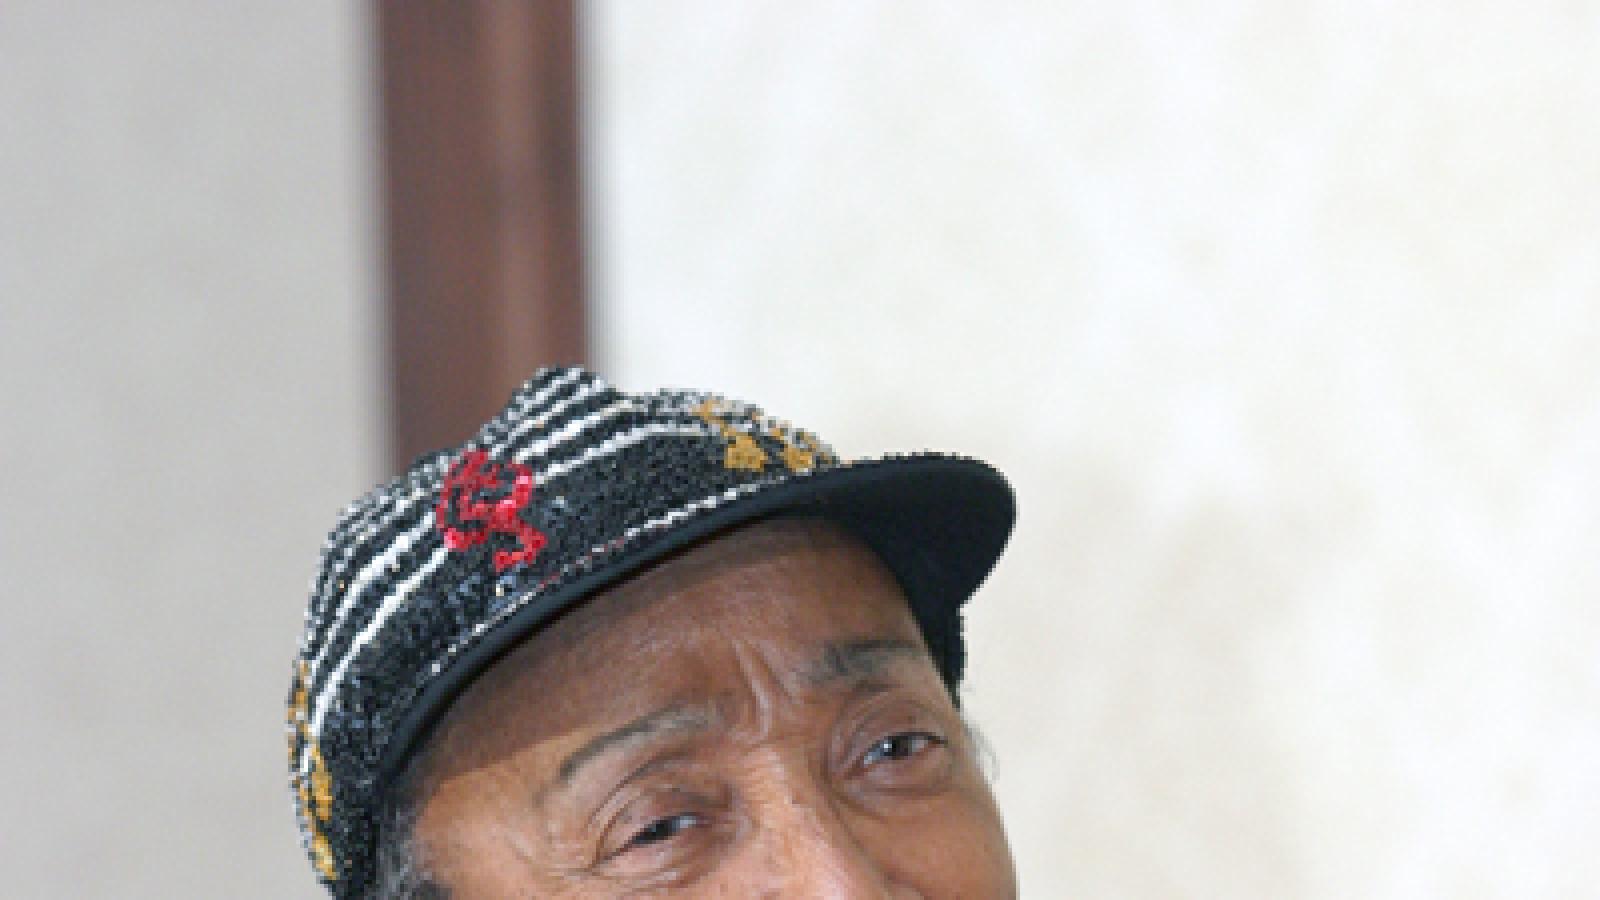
663 829
903 746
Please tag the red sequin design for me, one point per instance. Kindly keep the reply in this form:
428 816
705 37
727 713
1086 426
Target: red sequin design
480 499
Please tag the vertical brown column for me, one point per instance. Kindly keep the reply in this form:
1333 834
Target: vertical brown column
482 218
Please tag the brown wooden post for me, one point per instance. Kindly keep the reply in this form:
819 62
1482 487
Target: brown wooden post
481 207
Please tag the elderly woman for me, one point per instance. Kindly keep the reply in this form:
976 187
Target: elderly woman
648 645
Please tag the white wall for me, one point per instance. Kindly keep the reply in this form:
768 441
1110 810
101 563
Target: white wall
186 354
1283 319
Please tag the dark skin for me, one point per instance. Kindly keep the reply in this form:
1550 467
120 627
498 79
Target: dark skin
757 717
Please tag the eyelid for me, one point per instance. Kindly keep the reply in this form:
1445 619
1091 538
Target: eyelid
883 717
665 801
656 759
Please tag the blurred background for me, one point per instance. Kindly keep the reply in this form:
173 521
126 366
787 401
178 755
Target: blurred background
1283 317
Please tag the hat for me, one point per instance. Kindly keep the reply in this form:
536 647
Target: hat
429 578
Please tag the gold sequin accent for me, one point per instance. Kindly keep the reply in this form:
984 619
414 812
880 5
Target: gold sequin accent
321 785
315 795
801 451
822 453
297 704
707 411
297 710
322 853
797 458
743 452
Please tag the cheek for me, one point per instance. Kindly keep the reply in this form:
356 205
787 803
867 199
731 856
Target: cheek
957 849
803 844
479 841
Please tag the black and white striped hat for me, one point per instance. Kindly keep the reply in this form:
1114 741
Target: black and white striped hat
428 578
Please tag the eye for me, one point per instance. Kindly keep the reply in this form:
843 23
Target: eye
663 829
664 826
902 746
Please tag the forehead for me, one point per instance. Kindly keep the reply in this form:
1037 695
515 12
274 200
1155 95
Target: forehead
790 589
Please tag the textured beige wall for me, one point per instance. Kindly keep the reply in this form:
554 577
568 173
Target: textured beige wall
1282 316
185 351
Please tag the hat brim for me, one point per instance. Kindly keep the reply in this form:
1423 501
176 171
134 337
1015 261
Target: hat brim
939 522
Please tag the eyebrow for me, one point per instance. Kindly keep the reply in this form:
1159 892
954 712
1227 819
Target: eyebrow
859 660
853 660
671 720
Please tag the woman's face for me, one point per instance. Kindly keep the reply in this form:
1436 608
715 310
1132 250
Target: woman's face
756 718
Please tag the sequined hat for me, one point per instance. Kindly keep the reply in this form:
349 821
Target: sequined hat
428 578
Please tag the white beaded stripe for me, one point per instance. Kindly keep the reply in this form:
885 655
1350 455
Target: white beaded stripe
380 500
381 562
359 519
595 386
521 404
540 447
349 535
402 592
407 540
340 553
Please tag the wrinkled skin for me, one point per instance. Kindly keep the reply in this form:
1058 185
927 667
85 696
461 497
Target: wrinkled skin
783 733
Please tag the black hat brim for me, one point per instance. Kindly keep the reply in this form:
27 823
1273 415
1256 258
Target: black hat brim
939 523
